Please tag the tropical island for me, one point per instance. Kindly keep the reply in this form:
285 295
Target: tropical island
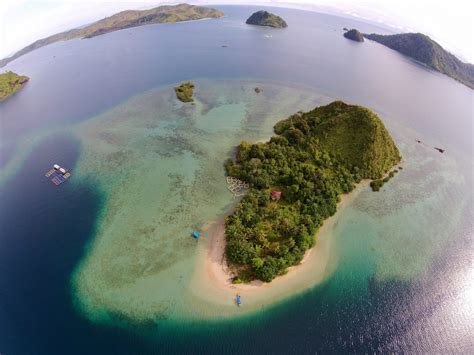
185 91
296 180
426 51
122 20
10 83
265 18
354 35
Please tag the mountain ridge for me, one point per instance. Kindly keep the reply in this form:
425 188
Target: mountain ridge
423 49
122 20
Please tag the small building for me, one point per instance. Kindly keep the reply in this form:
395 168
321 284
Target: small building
62 171
196 234
56 167
275 195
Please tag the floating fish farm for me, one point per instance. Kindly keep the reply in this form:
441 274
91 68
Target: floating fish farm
58 175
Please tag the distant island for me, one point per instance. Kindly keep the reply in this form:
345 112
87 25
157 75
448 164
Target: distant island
265 18
10 83
354 35
122 20
184 92
423 49
296 180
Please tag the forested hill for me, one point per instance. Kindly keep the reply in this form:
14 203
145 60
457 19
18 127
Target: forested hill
423 49
313 158
265 18
125 19
10 83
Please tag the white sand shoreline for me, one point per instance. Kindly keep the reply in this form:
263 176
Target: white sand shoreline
212 280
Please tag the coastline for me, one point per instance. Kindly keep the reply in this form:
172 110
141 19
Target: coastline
211 285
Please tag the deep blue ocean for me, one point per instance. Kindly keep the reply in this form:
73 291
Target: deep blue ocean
44 231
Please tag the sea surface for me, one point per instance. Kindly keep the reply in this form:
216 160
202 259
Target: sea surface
102 264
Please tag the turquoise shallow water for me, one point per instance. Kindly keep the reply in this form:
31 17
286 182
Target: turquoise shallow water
160 164
108 256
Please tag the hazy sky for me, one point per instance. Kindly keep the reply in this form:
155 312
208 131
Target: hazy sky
448 22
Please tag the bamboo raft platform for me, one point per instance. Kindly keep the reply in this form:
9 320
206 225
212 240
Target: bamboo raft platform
58 175
237 186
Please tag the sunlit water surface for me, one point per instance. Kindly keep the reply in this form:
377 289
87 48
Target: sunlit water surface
103 263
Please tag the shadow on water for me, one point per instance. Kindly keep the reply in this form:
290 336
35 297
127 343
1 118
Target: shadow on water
38 253
6 153
44 229
42 235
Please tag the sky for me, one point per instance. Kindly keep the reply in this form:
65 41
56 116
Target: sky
451 23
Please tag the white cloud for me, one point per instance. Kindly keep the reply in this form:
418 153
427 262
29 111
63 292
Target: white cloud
450 23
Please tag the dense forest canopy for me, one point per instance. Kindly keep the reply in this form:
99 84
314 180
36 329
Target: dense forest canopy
313 158
10 83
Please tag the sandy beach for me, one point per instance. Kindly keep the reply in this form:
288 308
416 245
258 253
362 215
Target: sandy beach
212 280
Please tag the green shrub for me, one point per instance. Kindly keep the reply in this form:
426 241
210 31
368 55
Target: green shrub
184 92
314 158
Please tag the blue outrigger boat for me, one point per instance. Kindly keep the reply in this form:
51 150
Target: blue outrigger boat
196 233
237 300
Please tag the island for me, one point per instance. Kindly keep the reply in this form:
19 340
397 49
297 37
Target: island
184 92
354 35
426 51
265 18
122 20
296 180
10 83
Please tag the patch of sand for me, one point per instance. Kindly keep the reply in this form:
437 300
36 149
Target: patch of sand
212 281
